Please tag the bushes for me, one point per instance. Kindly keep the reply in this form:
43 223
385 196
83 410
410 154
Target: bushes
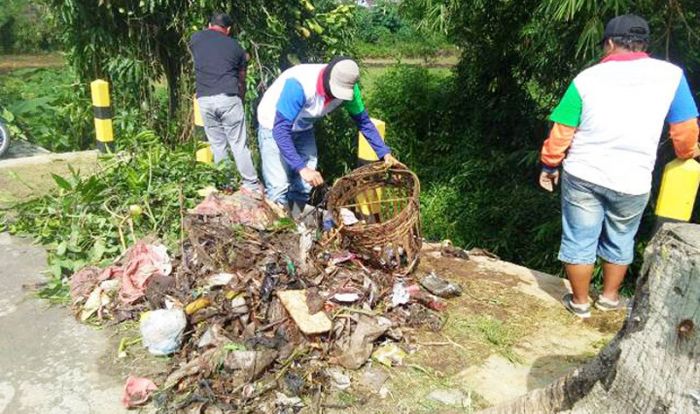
89 219
383 32
47 107
24 27
51 108
474 194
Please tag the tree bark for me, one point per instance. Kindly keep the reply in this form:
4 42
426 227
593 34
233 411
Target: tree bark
653 364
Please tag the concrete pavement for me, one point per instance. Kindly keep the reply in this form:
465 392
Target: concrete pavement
49 363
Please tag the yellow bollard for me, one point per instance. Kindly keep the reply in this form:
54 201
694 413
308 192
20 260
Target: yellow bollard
204 153
369 202
198 121
365 153
102 109
679 187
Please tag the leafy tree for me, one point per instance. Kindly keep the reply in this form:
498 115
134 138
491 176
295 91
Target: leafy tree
136 44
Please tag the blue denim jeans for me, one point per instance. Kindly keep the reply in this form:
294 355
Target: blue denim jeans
282 184
597 221
224 124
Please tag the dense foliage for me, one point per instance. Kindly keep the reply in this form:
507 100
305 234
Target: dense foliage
47 107
136 45
24 28
382 31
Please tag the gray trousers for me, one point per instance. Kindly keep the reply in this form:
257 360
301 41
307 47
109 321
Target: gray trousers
224 124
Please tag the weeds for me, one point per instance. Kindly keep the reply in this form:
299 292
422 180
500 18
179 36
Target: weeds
90 220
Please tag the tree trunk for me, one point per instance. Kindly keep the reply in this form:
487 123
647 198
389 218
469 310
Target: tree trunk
653 364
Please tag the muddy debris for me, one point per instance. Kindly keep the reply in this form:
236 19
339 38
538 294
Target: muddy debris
258 312
439 286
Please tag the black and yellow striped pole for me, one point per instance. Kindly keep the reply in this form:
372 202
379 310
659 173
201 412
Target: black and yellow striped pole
369 202
204 153
104 132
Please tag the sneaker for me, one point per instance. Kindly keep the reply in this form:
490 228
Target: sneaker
582 311
604 304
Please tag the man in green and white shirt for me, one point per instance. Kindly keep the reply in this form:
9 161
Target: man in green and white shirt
605 134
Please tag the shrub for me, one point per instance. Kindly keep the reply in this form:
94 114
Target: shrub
475 195
87 219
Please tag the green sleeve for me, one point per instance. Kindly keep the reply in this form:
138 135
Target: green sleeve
568 112
356 106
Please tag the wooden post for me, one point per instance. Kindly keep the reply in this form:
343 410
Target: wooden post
102 108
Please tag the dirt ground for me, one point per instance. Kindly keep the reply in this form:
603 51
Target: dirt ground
11 62
506 335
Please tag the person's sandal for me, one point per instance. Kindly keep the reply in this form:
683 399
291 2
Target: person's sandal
604 304
582 311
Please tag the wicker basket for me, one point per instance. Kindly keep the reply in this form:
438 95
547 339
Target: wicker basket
386 201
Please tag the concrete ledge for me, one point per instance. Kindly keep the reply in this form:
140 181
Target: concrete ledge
24 178
49 158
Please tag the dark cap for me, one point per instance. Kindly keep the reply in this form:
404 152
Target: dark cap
221 19
628 26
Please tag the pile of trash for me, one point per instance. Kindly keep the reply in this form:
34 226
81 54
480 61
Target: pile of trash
256 310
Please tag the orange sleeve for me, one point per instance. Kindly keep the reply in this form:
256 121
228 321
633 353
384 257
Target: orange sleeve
684 136
554 148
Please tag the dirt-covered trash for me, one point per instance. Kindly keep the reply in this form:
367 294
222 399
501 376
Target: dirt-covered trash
242 207
249 365
294 301
339 379
448 250
359 346
258 313
439 286
374 379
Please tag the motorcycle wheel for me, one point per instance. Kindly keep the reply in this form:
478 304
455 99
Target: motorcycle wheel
4 139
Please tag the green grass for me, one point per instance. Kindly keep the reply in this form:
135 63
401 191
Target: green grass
371 74
499 336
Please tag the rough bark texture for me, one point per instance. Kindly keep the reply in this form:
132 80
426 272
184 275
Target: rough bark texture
653 364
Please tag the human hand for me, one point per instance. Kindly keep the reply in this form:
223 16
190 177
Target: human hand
390 161
548 180
313 177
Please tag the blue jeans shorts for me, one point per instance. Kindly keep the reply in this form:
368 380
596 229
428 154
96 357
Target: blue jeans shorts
282 184
597 221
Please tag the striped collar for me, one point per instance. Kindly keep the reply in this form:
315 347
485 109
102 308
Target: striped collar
623 57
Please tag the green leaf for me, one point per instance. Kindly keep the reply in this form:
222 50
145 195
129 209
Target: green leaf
98 250
234 346
62 182
61 248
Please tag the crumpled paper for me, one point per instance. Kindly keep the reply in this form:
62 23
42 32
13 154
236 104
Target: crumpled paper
161 330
